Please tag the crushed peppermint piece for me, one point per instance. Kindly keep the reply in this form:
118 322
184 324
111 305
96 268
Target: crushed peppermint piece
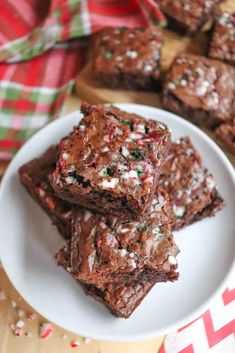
81 127
105 149
64 337
132 54
65 155
132 174
172 260
183 82
17 331
171 85
21 312
179 211
41 192
86 340
46 330
2 295
20 323
122 252
210 182
148 68
109 183
75 344
31 316
70 180
87 215
13 304
124 151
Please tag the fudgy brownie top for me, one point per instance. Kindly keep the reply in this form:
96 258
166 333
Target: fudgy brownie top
222 45
202 83
111 150
189 184
120 297
36 175
190 12
129 50
103 248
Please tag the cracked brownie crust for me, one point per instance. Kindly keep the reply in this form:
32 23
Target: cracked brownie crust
128 57
200 89
111 161
191 187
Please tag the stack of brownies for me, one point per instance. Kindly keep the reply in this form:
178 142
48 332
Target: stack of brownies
115 188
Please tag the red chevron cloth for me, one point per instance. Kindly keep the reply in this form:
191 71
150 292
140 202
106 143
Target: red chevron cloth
41 51
212 332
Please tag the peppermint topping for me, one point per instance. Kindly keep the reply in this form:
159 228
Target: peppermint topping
172 260
46 330
171 85
178 211
75 344
70 180
124 151
112 183
65 155
132 54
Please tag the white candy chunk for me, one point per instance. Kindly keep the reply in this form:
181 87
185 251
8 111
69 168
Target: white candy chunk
20 323
65 155
132 54
105 149
122 252
178 211
172 260
70 180
125 152
109 183
171 85
87 215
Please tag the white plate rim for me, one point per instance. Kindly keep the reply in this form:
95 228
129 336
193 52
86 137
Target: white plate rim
188 318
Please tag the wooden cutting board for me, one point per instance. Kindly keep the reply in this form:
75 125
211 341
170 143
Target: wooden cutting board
88 90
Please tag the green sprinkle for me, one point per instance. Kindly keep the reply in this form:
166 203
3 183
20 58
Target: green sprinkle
108 54
137 155
141 228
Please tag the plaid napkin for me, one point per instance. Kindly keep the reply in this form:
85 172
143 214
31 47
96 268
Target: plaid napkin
39 57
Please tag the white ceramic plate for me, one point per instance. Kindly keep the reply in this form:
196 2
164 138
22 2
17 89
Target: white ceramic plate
29 242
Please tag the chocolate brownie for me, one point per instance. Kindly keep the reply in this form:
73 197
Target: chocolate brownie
188 16
200 89
226 133
128 57
191 187
123 297
105 249
111 161
36 176
222 44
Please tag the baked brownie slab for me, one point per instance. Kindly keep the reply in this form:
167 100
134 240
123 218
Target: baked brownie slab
36 176
226 133
104 249
111 161
222 44
188 16
123 297
191 187
200 89
128 57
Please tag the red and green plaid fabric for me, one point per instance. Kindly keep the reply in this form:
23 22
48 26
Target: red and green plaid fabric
41 51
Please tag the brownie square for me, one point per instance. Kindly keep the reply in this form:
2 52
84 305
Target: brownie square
128 57
123 297
226 133
36 176
200 89
191 187
222 44
111 161
107 250
188 16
